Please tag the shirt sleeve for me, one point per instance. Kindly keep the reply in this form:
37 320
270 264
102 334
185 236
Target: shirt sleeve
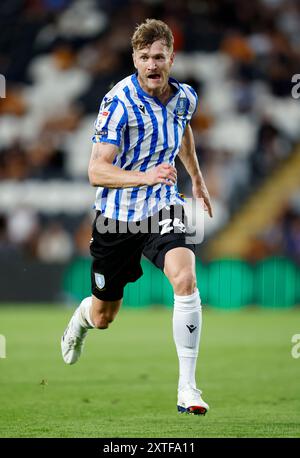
110 122
192 101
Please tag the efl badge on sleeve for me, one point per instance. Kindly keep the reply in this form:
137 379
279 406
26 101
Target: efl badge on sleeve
101 119
181 106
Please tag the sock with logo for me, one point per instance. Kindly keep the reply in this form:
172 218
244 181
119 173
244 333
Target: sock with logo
82 316
187 321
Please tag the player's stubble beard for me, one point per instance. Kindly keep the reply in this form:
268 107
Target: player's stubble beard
163 90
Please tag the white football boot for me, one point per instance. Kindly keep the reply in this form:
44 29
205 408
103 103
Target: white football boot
72 340
190 401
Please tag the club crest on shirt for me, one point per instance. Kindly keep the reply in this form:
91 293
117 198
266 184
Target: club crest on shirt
181 106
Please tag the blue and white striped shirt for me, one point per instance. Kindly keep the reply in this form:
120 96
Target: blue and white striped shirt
147 133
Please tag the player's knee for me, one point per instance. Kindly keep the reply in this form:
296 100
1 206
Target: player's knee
184 282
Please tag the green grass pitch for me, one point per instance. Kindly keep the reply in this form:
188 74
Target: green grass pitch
125 382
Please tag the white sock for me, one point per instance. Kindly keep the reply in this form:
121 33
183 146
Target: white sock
187 321
83 315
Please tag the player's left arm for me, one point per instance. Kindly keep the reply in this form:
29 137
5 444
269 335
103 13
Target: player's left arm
188 157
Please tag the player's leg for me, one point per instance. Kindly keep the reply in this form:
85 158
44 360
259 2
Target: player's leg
179 267
102 313
91 313
116 261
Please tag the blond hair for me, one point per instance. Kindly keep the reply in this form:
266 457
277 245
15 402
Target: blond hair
149 31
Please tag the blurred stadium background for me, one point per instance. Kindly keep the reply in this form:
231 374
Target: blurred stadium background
59 58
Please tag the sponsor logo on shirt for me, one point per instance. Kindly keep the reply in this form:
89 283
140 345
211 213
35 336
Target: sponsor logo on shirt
107 102
142 108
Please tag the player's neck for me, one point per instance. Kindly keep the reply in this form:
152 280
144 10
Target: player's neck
163 94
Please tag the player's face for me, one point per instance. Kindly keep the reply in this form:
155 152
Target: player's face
154 65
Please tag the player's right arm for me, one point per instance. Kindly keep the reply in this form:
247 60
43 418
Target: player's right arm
103 173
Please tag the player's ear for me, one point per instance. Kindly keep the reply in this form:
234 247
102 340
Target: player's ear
134 60
172 57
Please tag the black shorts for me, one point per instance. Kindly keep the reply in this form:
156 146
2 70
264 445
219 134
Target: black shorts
117 248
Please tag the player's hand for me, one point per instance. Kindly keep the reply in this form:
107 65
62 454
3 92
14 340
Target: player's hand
162 173
200 191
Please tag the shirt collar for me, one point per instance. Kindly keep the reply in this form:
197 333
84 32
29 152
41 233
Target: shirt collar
143 93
